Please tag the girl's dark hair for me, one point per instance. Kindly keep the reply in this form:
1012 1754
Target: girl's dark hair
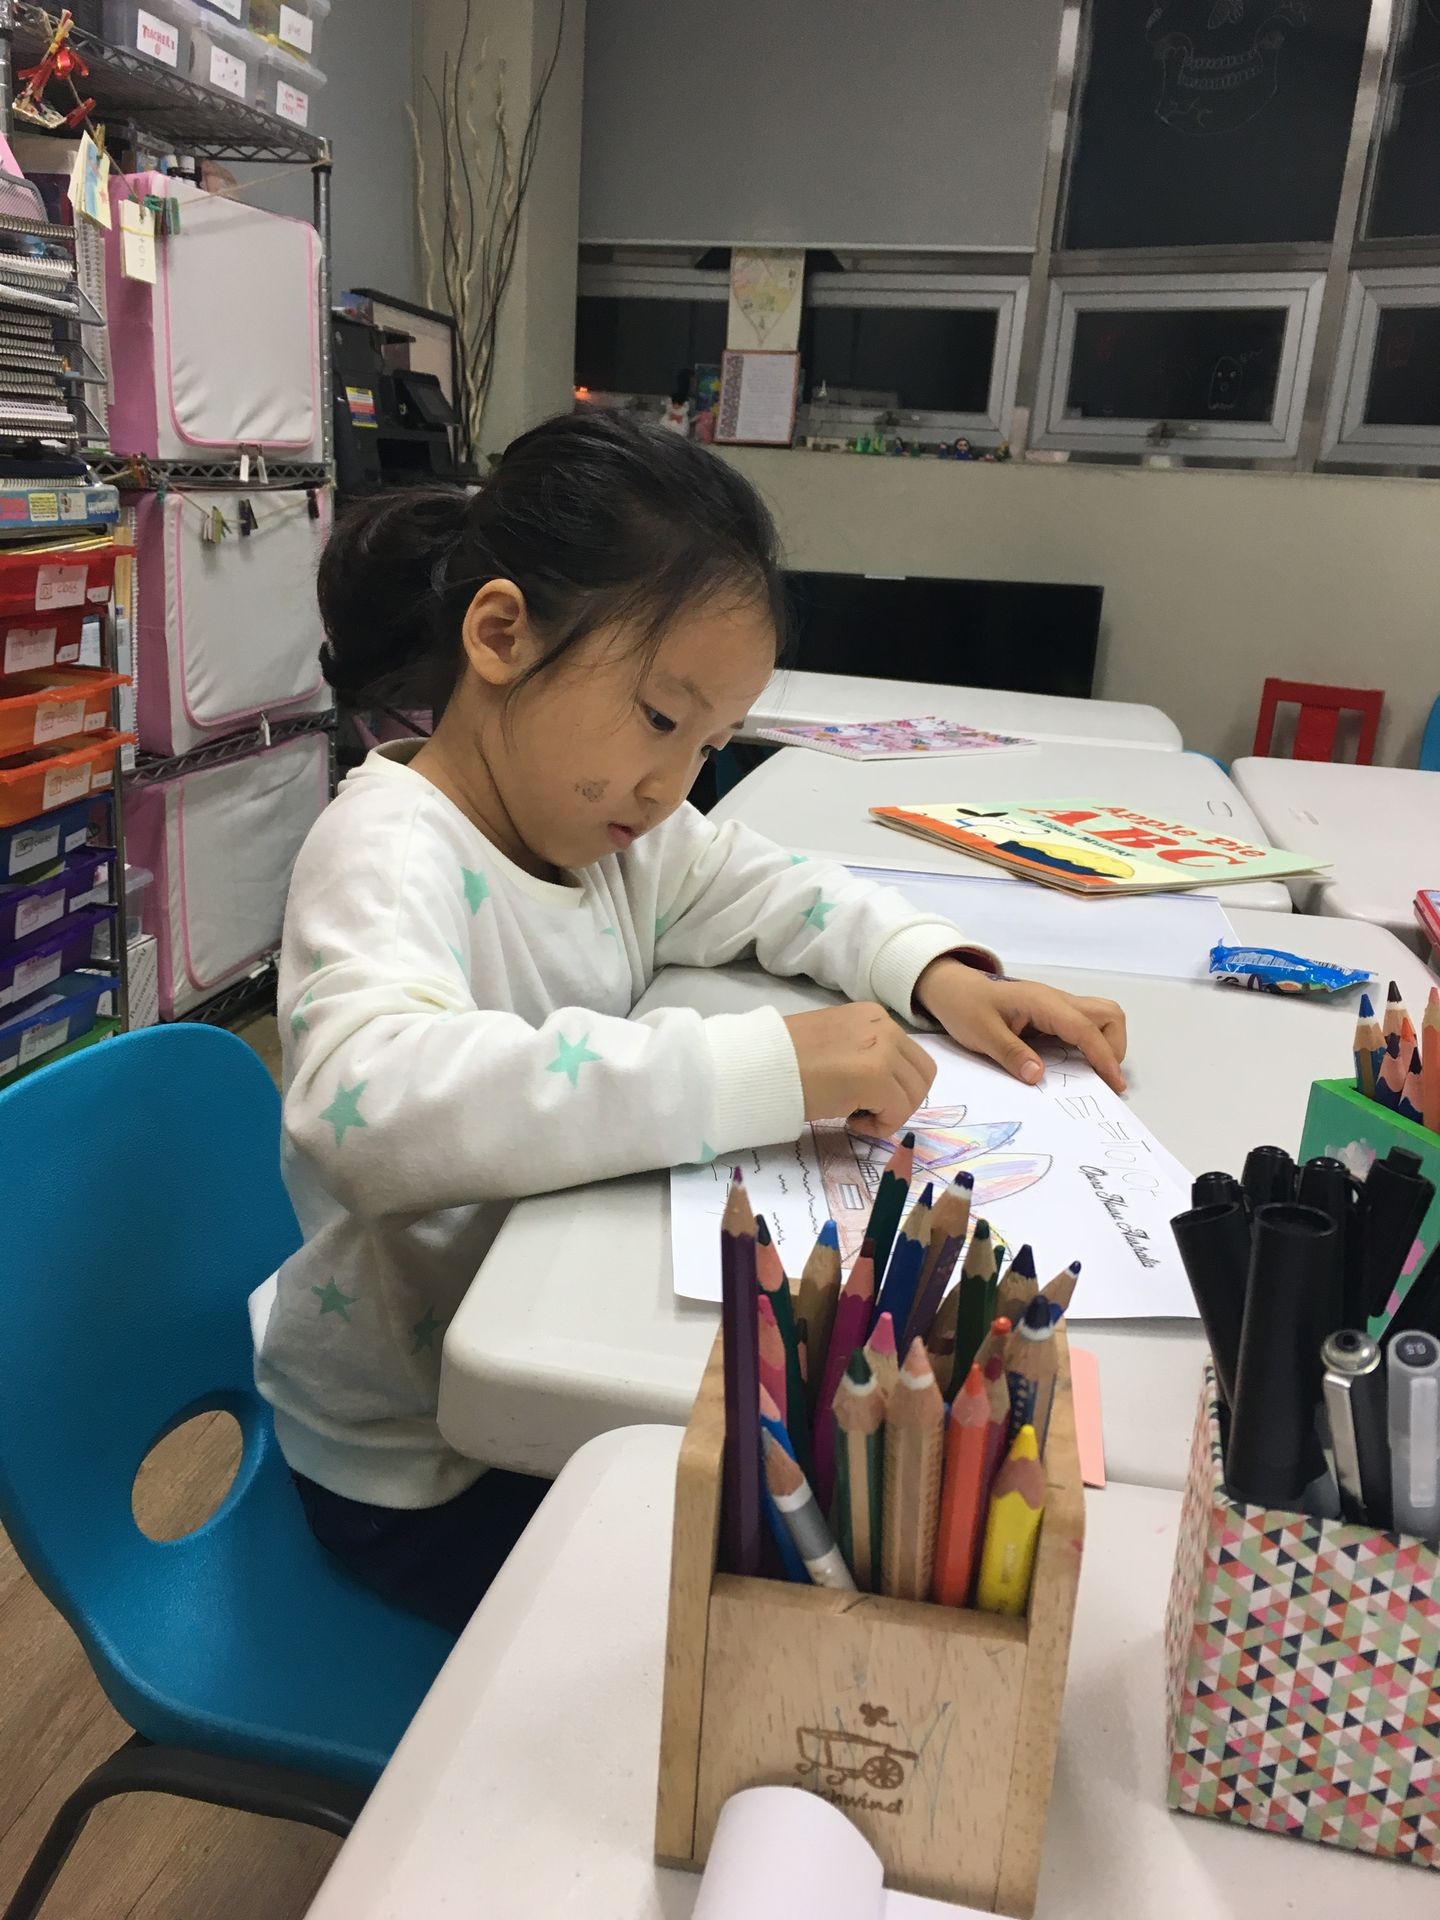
595 516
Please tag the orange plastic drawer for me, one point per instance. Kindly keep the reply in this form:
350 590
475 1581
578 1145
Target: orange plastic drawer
37 781
37 709
46 579
41 640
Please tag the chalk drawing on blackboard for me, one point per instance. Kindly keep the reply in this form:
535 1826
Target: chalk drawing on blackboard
1219 59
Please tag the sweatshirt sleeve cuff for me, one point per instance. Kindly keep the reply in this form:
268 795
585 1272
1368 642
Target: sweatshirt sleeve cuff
758 1096
905 956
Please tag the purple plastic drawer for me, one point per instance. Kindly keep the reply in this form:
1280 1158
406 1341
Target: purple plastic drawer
45 905
35 964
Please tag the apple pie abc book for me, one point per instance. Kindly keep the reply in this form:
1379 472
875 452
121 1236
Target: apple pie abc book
1090 847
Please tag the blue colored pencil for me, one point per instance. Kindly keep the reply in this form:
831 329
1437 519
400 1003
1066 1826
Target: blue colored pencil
791 1565
907 1259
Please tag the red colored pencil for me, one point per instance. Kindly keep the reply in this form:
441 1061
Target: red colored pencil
771 1349
852 1322
962 1511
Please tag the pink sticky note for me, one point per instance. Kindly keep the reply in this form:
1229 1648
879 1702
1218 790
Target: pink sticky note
1089 1434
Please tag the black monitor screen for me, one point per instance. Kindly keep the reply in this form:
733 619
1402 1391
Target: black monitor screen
960 633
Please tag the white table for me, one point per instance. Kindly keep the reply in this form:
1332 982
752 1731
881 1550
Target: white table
1378 826
818 803
526 1783
827 697
572 1327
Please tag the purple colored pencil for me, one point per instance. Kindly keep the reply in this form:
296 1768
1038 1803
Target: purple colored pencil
740 1324
847 1336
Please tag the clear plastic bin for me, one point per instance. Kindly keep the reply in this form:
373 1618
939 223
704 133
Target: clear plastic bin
223 56
284 84
291 24
235 13
137 881
159 29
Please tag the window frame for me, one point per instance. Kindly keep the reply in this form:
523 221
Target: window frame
644 280
1003 294
1349 439
1299 293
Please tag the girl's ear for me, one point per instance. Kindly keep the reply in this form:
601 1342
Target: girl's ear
499 641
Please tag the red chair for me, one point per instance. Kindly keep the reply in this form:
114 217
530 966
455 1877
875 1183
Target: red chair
1318 720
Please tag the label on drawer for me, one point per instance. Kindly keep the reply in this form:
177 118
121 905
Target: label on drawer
60 587
291 104
32 915
95 722
27 648
31 975
38 1041
157 38
235 8
229 73
64 784
297 31
35 848
58 719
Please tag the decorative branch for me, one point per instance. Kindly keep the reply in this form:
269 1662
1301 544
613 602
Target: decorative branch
481 200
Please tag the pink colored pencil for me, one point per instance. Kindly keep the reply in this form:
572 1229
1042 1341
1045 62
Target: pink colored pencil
1430 1054
852 1322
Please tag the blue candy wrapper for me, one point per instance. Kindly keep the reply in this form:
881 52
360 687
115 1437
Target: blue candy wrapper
1264 970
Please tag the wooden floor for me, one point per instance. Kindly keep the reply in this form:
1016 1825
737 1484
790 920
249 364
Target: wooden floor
143 1857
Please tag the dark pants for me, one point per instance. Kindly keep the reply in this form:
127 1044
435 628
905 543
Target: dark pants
434 1561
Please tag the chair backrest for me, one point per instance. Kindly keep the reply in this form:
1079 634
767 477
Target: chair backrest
1430 741
1318 721
141 1197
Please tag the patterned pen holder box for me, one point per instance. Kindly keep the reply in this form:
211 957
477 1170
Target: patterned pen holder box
1301 1657
933 1728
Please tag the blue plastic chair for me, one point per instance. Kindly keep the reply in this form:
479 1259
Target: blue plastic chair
142 1202
1430 743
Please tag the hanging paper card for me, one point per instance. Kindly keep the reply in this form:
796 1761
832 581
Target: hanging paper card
137 242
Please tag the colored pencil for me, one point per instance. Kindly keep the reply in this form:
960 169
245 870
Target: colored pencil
740 1320
771 1275
949 1224
1412 1098
1012 1529
1019 1286
940 1340
792 1494
997 1400
1390 1081
962 1513
802 1347
771 1347
1430 1054
1395 1014
932 1291
859 1415
1369 1048
1030 1368
889 1201
881 1354
819 1296
977 1273
791 1565
914 1448
852 1321
907 1258
1061 1290
996 1335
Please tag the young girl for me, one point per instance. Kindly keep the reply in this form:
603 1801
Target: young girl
473 918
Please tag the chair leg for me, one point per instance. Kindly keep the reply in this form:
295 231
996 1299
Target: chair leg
139 1767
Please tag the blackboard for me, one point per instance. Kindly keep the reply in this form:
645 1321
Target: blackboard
934 358
1214 122
1405 372
638 346
1215 363
1406 197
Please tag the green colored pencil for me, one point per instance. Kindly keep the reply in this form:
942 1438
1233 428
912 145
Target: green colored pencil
890 1197
859 1416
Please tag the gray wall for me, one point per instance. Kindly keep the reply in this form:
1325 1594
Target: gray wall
365 54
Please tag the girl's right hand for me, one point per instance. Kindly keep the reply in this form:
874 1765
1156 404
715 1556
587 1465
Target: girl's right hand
859 1065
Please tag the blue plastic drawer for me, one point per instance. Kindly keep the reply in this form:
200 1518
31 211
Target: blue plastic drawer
65 1013
34 965
28 907
37 843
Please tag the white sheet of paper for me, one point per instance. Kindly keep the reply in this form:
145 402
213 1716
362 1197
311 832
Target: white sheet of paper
780 1852
1065 1165
757 399
1165 935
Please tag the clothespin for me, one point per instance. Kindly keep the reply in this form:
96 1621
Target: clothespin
260 474
312 503
248 522
219 525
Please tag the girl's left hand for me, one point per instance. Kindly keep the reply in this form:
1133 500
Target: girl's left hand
988 1016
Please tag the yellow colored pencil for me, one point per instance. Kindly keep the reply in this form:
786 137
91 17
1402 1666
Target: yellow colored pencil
1012 1529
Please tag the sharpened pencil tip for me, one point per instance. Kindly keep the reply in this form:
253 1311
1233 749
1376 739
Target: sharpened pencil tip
1394 993
829 1235
965 1180
907 1139
1367 1012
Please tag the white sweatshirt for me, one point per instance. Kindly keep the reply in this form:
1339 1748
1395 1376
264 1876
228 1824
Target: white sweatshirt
456 1034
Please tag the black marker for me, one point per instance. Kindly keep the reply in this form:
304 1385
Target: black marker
1214 1243
1269 1176
1274 1452
1397 1198
1209 1189
1328 1184
1354 1384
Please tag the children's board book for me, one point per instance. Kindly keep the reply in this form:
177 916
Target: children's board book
893 739
1091 847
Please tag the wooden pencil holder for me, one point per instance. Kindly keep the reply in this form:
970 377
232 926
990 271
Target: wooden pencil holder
933 1728
1301 1660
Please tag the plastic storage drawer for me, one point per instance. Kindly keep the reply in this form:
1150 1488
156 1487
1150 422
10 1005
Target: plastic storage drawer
65 1014
157 30
38 642
45 778
33 965
49 579
27 849
37 709
50 902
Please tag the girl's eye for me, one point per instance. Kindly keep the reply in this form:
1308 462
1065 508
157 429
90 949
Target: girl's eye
658 721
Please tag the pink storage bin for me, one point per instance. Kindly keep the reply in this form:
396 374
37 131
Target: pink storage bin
223 351
226 631
221 842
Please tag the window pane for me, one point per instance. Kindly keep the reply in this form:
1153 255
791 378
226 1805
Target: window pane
1406 201
1220 363
1214 122
1405 373
638 346
929 359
